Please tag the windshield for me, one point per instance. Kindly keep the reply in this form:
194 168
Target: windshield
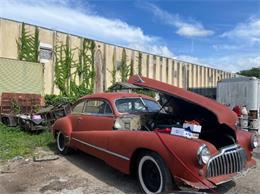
129 105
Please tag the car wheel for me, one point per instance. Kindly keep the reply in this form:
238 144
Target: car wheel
153 174
62 146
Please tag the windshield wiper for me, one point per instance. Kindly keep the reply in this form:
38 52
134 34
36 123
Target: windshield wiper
146 107
158 112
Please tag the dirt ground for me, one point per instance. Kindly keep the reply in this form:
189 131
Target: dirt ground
81 173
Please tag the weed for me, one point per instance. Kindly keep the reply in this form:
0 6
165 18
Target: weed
15 142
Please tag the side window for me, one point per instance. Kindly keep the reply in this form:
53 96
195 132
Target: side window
97 107
78 108
108 109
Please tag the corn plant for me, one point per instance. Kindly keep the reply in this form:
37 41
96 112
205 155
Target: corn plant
113 71
147 65
28 45
131 67
85 69
140 57
63 64
65 79
125 69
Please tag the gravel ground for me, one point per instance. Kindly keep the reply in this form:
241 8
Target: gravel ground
81 173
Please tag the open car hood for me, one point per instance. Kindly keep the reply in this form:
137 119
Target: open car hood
223 114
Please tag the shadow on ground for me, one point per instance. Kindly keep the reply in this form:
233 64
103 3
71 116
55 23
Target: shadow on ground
221 189
125 183
104 172
100 170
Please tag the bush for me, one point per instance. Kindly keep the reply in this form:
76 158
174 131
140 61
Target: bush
58 99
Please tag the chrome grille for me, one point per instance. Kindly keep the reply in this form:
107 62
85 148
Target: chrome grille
231 159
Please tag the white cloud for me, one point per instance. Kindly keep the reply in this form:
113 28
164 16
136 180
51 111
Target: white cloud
219 47
191 59
243 44
235 62
71 18
159 49
193 30
231 63
249 31
186 29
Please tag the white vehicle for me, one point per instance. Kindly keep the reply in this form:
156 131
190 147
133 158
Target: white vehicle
242 91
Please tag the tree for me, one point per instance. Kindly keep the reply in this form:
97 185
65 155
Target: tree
253 72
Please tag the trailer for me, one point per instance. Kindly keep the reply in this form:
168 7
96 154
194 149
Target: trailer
242 91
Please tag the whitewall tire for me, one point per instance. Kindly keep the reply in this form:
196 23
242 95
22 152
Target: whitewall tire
62 143
153 174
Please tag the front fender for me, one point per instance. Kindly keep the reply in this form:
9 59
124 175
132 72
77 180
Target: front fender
126 143
185 151
62 124
244 140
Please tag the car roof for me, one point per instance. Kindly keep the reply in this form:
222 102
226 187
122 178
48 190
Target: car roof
115 95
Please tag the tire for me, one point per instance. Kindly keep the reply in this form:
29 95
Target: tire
62 144
6 121
153 174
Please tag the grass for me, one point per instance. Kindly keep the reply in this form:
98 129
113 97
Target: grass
15 142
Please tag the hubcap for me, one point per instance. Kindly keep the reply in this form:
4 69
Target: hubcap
150 175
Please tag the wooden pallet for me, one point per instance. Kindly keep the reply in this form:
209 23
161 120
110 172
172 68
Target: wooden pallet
26 102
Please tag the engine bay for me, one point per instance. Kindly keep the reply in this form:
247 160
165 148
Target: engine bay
172 118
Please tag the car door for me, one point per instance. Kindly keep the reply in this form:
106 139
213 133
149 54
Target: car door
93 127
97 116
76 113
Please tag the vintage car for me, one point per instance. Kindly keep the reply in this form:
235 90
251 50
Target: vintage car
133 133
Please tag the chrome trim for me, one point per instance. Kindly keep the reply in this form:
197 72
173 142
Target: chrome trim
102 149
199 153
251 141
223 161
231 159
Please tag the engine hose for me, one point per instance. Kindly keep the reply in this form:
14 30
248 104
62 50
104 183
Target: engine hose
183 164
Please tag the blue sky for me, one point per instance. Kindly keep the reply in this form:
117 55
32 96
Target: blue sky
220 34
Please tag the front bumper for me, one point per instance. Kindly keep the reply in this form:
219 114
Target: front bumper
213 182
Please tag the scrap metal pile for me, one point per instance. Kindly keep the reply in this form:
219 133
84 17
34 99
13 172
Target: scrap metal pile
19 110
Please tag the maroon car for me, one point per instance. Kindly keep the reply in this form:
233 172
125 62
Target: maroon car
187 139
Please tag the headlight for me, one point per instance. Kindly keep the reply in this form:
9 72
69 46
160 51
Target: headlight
203 154
254 141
